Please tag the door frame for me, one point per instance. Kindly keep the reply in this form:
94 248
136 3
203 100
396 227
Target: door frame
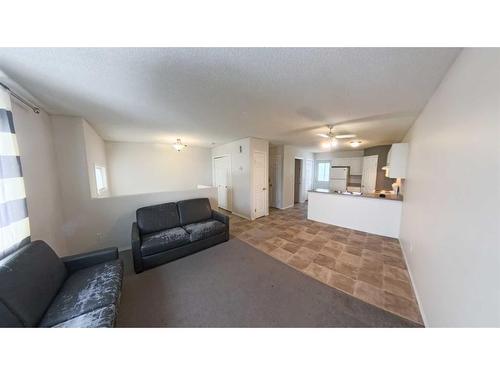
302 162
230 197
252 184
279 181
311 176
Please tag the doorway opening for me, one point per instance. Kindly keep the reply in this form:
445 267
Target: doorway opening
297 186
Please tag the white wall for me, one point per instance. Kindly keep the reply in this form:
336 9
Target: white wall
136 168
96 155
240 188
451 212
91 223
338 154
290 153
36 147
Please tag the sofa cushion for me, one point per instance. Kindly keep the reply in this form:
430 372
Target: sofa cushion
204 229
100 318
194 210
84 291
29 279
157 218
167 239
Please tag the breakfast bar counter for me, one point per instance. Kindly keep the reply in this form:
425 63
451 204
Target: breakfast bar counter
364 212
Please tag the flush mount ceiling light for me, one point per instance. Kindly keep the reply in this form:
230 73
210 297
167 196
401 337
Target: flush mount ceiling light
178 145
355 143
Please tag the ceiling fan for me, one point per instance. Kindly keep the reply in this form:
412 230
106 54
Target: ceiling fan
332 137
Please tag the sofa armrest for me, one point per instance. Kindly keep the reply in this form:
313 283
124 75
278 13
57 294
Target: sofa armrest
216 215
77 262
136 248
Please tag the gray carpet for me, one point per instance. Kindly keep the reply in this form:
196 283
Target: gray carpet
236 285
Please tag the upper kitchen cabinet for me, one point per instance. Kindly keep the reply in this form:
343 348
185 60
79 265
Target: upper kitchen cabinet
355 164
397 160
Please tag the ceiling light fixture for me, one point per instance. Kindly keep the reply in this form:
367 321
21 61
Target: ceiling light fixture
355 143
342 136
178 145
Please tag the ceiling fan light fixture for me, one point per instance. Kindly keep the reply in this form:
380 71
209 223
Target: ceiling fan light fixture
322 135
355 143
343 136
179 146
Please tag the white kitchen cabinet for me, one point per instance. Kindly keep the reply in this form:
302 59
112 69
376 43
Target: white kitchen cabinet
397 160
355 164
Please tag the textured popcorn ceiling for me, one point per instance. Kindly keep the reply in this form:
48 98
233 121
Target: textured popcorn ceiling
207 95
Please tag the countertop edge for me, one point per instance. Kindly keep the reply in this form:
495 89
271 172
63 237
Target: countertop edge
372 196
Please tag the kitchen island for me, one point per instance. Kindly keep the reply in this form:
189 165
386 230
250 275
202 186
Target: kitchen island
366 212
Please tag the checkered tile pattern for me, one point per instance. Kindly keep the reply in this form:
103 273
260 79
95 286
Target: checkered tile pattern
364 265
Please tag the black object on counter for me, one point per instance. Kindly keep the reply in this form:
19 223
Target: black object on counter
381 195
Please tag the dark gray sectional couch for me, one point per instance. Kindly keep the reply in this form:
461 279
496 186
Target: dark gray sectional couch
39 289
169 231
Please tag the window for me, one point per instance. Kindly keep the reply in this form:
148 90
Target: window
101 180
323 171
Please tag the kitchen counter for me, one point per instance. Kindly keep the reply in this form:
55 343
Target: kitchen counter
375 195
375 215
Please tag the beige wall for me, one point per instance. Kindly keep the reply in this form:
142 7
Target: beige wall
96 155
36 147
241 154
137 168
450 229
91 223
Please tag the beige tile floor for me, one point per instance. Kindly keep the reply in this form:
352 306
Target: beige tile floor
366 266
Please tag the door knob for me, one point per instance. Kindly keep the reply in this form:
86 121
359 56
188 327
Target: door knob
263 188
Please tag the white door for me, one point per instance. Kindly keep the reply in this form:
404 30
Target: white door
309 175
222 180
369 176
275 181
260 184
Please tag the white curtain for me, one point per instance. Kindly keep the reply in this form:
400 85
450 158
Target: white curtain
14 222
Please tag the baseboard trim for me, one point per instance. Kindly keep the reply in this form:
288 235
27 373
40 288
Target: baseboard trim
420 307
284 208
240 215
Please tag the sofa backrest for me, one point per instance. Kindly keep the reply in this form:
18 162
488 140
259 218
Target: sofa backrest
194 210
29 280
156 218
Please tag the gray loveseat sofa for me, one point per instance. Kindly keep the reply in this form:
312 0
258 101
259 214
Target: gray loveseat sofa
169 231
39 289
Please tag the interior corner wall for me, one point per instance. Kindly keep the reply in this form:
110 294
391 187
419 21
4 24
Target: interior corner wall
290 153
95 151
92 223
450 230
38 160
